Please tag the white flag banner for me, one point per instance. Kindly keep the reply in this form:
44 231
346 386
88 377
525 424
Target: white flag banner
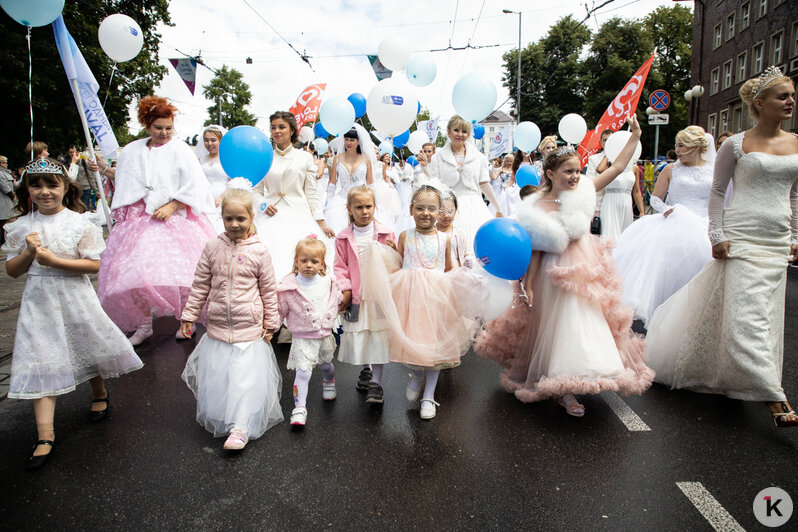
430 127
500 143
77 69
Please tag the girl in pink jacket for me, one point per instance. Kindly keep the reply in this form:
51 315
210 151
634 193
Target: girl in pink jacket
232 371
308 302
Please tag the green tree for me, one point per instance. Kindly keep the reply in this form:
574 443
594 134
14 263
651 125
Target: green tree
55 117
231 95
551 75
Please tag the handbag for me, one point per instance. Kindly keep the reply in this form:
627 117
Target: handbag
595 226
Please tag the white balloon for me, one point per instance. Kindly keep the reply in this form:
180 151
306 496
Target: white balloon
392 106
526 136
500 294
416 141
121 37
615 144
421 70
321 146
474 96
306 134
572 128
394 53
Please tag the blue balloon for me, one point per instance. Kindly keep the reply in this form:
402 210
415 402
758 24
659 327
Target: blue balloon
33 13
474 96
479 131
419 108
245 151
319 130
412 161
399 141
503 247
527 175
337 114
358 101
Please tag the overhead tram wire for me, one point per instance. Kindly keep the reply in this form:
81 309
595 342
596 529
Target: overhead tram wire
449 50
476 23
302 56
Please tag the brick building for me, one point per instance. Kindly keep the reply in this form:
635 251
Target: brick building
733 41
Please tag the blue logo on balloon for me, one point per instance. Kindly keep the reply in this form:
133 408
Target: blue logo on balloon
392 100
262 206
245 151
504 248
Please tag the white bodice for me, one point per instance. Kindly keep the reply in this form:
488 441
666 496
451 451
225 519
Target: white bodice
216 175
690 186
424 252
623 184
347 180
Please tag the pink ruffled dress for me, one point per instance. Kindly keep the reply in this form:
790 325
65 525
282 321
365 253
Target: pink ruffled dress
576 338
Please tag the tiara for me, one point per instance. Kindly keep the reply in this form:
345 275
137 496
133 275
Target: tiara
564 150
764 80
43 166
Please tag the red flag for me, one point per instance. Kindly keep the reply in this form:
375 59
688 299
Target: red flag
307 104
615 116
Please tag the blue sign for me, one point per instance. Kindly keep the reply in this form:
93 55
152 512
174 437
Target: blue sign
660 100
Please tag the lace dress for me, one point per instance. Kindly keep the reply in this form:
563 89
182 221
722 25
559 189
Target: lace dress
218 180
616 206
335 213
657 255
63 336
723 332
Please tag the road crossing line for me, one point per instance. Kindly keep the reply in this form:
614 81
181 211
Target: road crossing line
710 508
624 412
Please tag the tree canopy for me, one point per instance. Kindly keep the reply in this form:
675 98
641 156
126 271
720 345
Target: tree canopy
230 94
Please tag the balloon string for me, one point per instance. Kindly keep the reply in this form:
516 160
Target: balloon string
30 92
108 90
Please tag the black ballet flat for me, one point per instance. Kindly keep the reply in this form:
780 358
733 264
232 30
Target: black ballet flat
99 415
37 462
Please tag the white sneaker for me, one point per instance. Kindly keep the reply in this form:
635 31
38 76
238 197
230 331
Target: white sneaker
328 392
237 440
428 408
410 393
299 416
142 333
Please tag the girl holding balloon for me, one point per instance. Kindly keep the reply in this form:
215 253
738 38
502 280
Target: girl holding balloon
577 339
161 228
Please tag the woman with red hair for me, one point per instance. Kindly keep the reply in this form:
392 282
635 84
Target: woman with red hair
161 229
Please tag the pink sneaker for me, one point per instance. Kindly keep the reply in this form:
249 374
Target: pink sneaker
236 441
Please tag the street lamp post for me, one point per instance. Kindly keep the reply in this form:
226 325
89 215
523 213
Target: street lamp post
219 102
518 75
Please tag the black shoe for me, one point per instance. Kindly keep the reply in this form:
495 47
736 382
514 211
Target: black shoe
99 415
37 462
364 380
375 396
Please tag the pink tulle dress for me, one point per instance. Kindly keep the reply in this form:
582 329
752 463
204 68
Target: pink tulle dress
148 265
576 338
431 317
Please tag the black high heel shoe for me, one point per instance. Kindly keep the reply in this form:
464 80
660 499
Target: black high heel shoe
37 462
99 415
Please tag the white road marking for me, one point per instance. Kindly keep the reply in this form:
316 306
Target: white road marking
624 413
709 507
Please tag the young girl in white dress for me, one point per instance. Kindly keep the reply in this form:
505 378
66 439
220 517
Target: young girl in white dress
577 338
63 335
309 300
232 371
364 341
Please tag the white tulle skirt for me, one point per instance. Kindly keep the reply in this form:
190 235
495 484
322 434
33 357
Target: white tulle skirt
236 386
658 255
335 212
389 204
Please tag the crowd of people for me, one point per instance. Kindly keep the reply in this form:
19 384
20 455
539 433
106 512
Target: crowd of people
348 253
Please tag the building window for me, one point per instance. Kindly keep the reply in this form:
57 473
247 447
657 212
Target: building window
724 120
727 74
737 122
776 48
718 36
745 15
762 8
794 40
730 26
712 124
714 85
759 55
742 61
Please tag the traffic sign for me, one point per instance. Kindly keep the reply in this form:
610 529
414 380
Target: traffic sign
660 100
658 120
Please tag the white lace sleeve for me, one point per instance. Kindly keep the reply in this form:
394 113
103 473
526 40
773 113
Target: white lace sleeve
91 244
724 169
658 205
15 237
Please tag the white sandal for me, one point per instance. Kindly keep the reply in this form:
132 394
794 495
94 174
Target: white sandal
428 410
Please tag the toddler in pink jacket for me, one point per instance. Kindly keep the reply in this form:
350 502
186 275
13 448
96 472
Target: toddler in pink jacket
232 371
308 302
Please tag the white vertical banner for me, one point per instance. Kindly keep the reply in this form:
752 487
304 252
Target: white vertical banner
430 127
500 143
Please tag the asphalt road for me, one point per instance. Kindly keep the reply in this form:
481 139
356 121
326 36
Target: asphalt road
486 462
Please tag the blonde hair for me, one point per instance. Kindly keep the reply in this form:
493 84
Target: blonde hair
747 91
694 137
546 140
315 247
458 122
553 161
358 191
244 198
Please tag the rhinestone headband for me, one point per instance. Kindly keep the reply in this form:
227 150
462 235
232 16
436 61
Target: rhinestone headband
764 80
564 150
44 166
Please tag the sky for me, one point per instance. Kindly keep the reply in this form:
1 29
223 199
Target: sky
338 34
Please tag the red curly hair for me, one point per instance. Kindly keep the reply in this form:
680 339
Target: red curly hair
151 108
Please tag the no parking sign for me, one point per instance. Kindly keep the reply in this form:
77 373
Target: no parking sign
660 100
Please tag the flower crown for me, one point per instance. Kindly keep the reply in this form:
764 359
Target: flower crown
773 72
43 166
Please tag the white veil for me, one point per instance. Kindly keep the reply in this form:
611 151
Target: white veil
367 147
199 149
711 153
